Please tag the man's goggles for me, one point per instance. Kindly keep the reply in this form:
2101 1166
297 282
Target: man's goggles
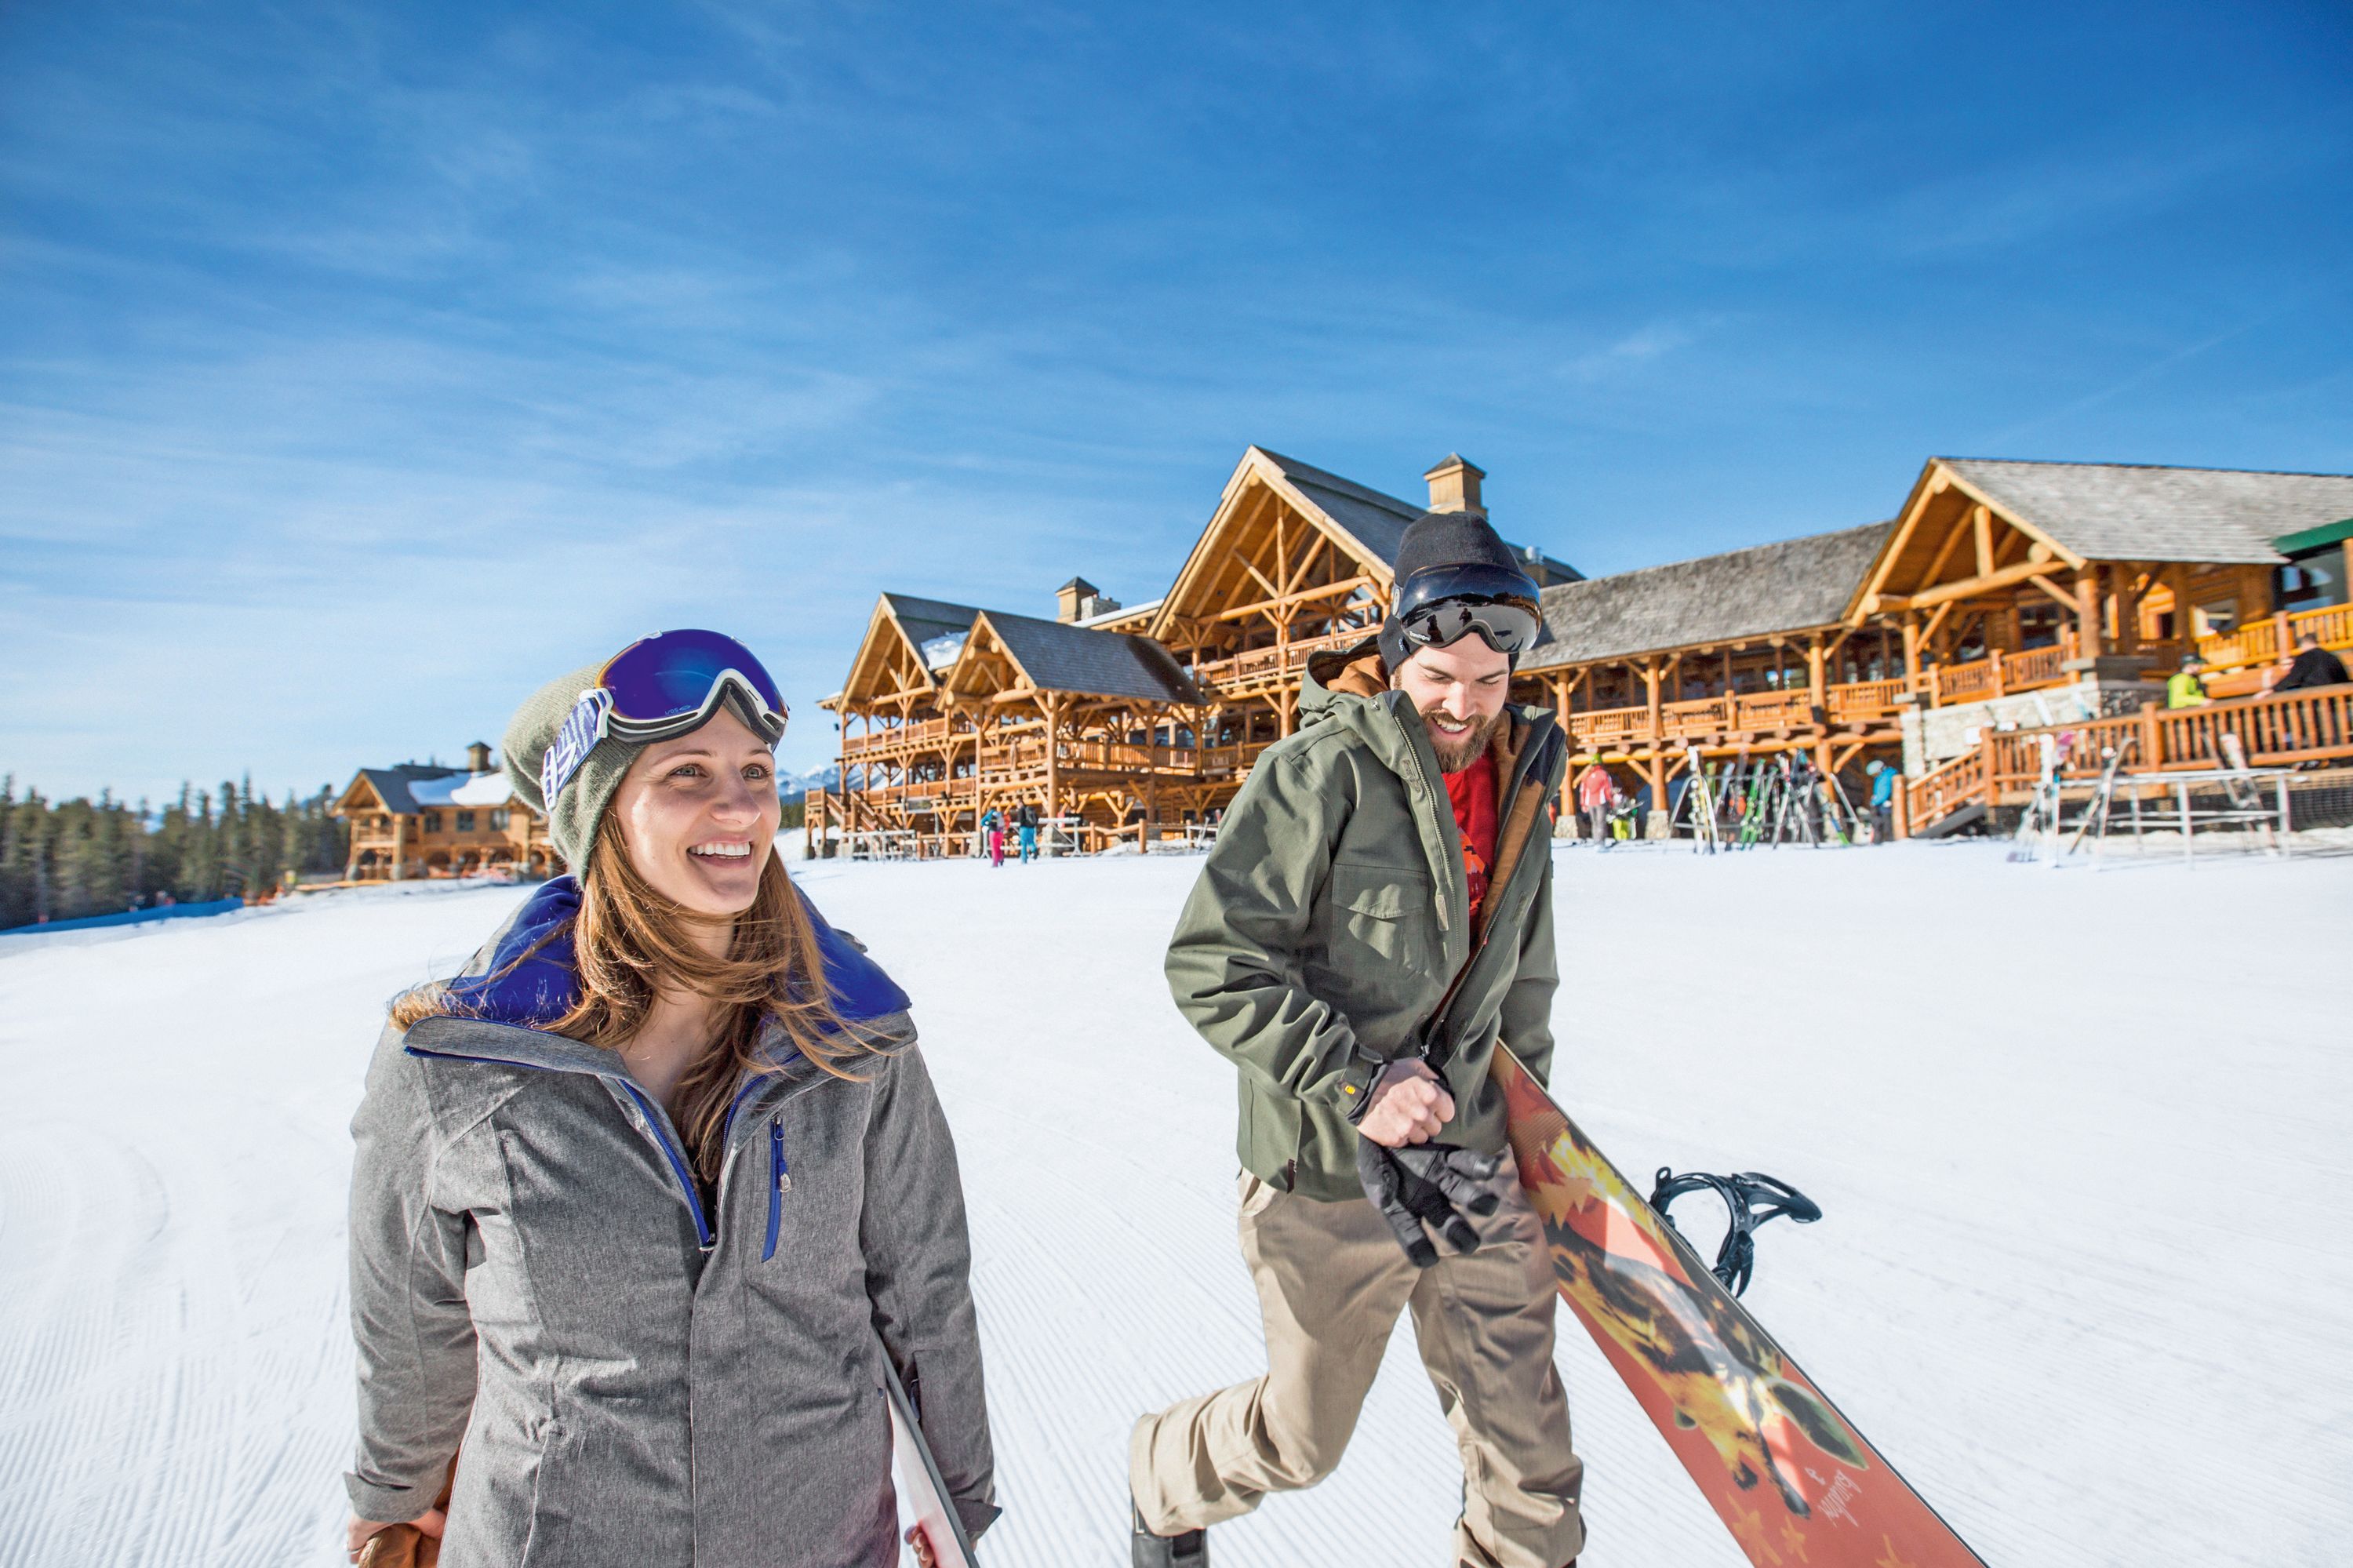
658 688
1446 604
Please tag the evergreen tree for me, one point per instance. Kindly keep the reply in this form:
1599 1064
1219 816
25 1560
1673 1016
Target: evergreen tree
64 860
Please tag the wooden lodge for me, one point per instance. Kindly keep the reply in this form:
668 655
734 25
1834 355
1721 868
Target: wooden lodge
2002 597
425 820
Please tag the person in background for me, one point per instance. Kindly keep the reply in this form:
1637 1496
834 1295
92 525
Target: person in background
1025 823
2314 666
645 1200
2183 689
992 828
1882 801
1596 793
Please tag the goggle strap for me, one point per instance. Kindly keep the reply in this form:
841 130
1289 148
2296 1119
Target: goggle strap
583 726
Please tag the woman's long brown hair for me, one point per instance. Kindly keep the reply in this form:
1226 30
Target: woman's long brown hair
629 942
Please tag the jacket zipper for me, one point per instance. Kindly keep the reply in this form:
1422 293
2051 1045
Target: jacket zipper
703 1236
780 1181
1445 883
1521 773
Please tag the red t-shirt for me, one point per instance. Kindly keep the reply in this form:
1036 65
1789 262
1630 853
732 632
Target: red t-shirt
1472 794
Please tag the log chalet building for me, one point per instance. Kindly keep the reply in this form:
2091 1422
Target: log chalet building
2003 600
424 819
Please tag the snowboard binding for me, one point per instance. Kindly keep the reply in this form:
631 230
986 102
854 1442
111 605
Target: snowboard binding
1752 1199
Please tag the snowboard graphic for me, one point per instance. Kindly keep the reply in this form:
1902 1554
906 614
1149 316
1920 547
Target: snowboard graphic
921 1490
1797 1486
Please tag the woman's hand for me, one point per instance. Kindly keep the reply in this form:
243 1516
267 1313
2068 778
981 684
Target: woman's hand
360 1532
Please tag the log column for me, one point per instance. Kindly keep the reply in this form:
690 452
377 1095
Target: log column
2089 644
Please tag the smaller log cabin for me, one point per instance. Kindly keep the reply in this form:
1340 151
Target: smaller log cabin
425 820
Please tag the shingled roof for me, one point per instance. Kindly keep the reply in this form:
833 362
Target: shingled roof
392 784
926 618
1063 658
1742 594
2123 512
1374 520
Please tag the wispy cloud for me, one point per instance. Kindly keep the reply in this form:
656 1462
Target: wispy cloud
363 366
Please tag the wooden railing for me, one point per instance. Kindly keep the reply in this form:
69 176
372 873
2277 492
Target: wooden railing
1703 718
1784 709
2271 731
1858 702
893 737
1598 728
1994 676
1935 795
1256 666
2273 638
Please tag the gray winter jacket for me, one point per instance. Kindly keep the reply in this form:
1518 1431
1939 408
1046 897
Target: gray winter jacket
635 1381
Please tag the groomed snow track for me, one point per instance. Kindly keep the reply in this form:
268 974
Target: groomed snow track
2085 1271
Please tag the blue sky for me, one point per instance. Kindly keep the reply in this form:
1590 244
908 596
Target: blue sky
362 368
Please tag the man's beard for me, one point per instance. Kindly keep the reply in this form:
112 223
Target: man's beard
1454 756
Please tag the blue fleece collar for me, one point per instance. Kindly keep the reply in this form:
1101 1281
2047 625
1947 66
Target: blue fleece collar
536 991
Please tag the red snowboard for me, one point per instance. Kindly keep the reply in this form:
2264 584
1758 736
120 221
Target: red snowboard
1797 1486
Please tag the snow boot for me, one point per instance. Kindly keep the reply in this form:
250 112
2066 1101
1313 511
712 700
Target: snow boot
1190 1550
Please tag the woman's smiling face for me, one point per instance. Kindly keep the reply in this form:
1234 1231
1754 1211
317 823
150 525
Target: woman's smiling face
699 815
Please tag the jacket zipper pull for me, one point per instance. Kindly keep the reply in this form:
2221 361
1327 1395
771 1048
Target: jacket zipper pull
777 1154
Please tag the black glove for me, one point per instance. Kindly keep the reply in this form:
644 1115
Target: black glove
1436 1183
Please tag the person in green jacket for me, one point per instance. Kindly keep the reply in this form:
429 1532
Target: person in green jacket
2183 689
1375 921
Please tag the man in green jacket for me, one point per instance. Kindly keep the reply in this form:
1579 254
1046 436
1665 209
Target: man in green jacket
1375 919
2183 689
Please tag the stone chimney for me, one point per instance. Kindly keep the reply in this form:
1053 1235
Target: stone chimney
478 758
1072 598
1455 485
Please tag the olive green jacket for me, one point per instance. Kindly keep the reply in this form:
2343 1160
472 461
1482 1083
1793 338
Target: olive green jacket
1333 916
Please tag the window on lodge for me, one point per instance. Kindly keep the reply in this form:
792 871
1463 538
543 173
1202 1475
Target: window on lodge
2310 582
432 822
465 821
2038 624
499 820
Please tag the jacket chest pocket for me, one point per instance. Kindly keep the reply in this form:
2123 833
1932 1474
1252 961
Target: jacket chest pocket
798 1194
1378 915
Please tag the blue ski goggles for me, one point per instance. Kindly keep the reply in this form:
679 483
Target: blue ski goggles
658 688
1446 604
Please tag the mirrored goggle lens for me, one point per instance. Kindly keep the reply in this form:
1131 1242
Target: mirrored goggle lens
1506 628
673 676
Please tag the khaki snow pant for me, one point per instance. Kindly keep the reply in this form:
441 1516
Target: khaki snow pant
1330 1281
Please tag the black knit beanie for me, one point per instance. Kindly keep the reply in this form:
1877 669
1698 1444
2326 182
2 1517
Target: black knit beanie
1437 540
1454 539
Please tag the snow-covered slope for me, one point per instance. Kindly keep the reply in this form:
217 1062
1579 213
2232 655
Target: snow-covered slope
2080 1138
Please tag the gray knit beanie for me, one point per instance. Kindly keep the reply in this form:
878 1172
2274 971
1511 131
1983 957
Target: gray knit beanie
580 805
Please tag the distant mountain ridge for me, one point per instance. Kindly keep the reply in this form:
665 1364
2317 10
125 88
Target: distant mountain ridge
793 786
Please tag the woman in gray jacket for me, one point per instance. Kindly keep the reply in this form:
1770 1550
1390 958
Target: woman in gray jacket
643 1197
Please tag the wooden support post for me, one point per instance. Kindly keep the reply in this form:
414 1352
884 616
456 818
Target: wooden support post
1052 704
1560 689
2088 641
1651 682
1911 650
1817 686
399 847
